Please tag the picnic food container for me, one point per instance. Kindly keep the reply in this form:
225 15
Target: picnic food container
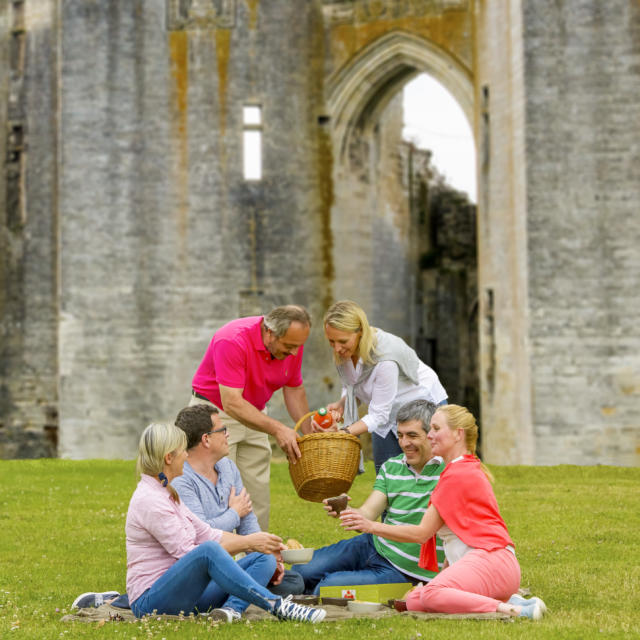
356 606
368 592
328 465
297 556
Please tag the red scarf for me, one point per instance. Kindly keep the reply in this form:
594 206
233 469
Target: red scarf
465 501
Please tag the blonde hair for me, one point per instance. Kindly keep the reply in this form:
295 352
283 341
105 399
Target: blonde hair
346 315
156 441
461 418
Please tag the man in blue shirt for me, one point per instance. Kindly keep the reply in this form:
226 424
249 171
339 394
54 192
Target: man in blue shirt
211 486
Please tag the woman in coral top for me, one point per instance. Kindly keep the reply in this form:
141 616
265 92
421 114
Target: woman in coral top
481 570
178 563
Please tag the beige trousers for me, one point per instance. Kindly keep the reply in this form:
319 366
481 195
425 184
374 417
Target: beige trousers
251 451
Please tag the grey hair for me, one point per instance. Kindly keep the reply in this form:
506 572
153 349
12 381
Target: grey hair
279 319
421 410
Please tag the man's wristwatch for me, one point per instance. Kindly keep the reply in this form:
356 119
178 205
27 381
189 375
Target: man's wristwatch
346 430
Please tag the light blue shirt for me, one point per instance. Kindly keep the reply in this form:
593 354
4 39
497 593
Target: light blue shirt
211 502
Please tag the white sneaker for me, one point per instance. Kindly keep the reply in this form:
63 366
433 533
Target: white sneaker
517 599
286 609
93 599
224 614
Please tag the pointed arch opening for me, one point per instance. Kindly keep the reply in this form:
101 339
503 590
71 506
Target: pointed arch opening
363 88
404 245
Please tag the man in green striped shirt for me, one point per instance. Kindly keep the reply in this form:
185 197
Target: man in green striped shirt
402 488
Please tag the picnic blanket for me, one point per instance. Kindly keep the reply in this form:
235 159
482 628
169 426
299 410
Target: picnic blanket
107 613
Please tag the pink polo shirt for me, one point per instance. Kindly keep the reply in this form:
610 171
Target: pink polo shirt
237 358
159 532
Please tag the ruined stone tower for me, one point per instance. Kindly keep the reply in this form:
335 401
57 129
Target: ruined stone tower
129 232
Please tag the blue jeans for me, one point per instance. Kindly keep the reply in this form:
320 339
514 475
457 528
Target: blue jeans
204 578
384 448
348 562
292 584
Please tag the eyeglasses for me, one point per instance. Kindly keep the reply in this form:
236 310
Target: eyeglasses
220 430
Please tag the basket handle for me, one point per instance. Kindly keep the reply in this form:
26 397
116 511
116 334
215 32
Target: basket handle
304 417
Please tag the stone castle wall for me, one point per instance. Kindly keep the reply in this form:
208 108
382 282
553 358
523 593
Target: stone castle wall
128 234
582 62
187 242
557 91
500 90
29 284
160 239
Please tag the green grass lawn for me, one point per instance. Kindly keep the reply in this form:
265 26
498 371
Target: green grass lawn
576 531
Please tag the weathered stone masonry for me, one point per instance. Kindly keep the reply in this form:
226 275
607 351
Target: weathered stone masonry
128 234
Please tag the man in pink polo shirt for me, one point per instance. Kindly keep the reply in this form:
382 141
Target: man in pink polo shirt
246 362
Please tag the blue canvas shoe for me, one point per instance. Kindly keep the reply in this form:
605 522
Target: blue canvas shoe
532 610
288 610
518 600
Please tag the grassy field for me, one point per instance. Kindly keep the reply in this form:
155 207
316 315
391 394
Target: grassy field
576 531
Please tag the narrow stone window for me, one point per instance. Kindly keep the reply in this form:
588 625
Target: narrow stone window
490 332
252 142
486 130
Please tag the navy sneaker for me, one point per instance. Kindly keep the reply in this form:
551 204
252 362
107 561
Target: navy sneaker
286 609
92 599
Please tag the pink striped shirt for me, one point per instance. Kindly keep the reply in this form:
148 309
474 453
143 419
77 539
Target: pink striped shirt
159 532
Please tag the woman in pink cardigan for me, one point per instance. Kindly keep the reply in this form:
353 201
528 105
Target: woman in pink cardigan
177 563
482 571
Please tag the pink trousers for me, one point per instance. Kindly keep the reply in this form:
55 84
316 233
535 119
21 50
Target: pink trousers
477 583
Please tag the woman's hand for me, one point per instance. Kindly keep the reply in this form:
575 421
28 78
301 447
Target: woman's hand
352 520
264 542
316 428
336 414
337 410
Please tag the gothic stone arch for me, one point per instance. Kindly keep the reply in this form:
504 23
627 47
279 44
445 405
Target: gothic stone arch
374 217
358 91
364 86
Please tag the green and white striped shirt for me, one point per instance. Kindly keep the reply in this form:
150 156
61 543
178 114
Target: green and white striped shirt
408 495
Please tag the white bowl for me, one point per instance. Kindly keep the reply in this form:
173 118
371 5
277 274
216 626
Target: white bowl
363 607
297 556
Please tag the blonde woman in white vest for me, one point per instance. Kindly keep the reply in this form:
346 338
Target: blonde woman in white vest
378 369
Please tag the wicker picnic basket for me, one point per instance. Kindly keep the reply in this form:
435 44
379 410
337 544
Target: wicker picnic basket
328 465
